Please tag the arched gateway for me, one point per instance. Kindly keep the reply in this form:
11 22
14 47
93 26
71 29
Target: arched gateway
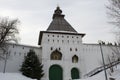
75 73
55 73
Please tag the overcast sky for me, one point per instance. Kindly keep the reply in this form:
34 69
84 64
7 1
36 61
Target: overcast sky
86 16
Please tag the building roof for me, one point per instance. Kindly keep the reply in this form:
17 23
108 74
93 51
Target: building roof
59 23
59 26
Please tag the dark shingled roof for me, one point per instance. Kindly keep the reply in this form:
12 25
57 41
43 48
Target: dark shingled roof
59 23
59 26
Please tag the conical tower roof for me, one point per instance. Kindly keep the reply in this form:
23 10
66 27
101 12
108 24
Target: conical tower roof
59 23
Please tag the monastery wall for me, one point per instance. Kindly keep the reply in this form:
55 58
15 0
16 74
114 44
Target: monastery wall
15 57
93 57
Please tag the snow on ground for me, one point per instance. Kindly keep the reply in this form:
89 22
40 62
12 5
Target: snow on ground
116 73
13 76
100 76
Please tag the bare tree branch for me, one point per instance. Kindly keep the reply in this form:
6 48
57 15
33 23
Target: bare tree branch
8 31
114 11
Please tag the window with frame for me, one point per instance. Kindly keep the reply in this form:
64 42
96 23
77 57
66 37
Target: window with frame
76 49
51 48
56 55
48 40
53 40
70 49
62 41
75 59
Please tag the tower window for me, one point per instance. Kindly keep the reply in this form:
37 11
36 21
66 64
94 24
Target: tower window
59 48
75 59
48 35
62 41
14 53
51 48
76 49
48 40
56 55
67 36
53 35
70 49
72 37
73 41
57 40
68 41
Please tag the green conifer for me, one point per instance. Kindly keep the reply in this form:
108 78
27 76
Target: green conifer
31 66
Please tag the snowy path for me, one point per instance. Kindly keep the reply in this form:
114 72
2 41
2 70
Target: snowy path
13 76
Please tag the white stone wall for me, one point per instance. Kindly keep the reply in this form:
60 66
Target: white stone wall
16 55
63 43
93 57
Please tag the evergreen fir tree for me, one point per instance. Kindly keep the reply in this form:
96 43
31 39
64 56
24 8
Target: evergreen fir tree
31 66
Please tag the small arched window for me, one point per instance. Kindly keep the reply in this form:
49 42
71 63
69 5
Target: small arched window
56 55
62 41
70 49
76 49
51 48
75 59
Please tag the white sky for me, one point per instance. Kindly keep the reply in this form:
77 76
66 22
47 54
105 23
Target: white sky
86 16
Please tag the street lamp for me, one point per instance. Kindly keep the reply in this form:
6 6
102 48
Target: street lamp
100 43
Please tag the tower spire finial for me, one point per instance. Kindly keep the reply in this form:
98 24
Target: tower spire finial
57 4
58 13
